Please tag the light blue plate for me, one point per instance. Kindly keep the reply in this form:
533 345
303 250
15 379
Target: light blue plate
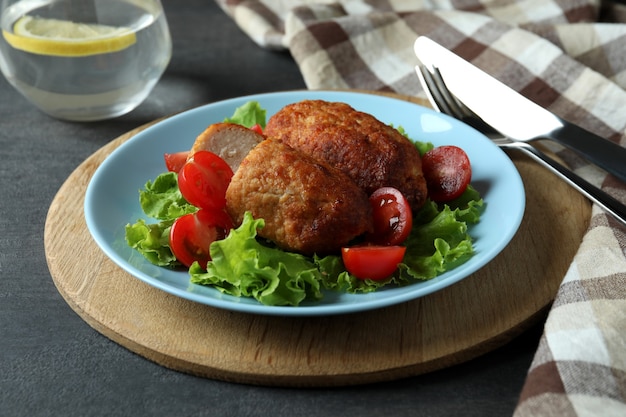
112 200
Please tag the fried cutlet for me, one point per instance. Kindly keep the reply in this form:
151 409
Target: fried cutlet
370 152
308 206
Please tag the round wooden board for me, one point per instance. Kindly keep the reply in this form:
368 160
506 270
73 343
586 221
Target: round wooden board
451 326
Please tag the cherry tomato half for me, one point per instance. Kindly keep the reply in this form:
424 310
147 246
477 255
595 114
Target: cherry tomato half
175 161
373 262
393 218
257 128
447 171
192 234
203 180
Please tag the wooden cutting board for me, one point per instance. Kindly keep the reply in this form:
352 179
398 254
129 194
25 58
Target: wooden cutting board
459 323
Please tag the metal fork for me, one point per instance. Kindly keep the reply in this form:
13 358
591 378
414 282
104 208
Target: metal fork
445 102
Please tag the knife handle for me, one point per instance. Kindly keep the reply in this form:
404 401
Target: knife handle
603 153
595 194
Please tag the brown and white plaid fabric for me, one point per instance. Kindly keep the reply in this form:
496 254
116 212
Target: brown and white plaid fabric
568 56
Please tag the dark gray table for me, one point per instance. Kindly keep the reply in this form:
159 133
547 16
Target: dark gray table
53 363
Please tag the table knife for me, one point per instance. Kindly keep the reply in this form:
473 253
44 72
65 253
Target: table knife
512 114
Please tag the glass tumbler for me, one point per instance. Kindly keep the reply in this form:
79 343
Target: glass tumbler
84 60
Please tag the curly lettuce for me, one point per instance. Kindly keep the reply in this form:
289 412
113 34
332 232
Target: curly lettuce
248 115
242 266
159 199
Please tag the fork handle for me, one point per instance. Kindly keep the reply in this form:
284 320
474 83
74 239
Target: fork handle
607 155
595 194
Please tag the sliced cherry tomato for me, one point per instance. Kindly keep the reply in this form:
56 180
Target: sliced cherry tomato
447 171
373 262
203 180
175 161
257 128
192 234
393 218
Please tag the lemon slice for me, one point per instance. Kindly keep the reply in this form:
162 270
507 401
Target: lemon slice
64 38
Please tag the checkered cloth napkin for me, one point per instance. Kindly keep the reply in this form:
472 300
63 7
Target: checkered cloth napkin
568 56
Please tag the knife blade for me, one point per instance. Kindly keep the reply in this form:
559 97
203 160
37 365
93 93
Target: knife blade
512 114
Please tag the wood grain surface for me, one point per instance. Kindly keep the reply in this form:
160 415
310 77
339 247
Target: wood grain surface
451 326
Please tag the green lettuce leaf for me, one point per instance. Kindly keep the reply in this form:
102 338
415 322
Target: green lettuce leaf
248 115
440 241
162 199
152 241
242 266
159 199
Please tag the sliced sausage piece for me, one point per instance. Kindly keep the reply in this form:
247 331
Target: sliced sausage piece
229 141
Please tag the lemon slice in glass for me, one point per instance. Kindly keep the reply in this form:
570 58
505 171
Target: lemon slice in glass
64 38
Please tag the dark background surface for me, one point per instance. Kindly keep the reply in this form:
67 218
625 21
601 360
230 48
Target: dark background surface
53 363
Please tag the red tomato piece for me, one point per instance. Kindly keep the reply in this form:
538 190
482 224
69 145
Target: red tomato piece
175 161
203 180
192 234
393 218
447 171
257 128
372 262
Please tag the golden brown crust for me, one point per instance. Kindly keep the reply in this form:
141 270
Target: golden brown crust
308 206
370 152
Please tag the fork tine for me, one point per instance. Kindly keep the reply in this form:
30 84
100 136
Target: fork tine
442 100
439 95
431 90
456 109
437 92
459 110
